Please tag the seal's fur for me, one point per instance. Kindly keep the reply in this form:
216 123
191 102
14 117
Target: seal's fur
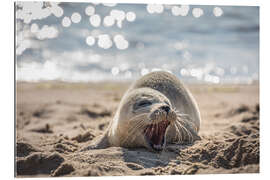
156 109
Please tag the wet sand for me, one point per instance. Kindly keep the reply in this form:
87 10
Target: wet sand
54 120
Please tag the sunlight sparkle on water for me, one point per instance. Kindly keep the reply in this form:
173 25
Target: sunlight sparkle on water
76 17
124 66
219 71
89 10
197 12
183 10
95 20
119 16
144 71
57 11
120 42
217 11
90 40
47 32
212 79
108 21
66 21
104 41
154 8
115 71
131 16
23 46
34 10
197 73
184 72
180 45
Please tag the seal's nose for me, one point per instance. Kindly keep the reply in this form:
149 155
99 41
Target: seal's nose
165 108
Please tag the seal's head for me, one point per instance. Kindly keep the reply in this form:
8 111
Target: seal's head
143 118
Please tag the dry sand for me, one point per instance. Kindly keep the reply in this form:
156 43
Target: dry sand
55 120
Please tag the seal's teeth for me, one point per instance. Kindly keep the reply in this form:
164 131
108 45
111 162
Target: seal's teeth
157 146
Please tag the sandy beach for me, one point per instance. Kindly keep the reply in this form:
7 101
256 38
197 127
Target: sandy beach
54 120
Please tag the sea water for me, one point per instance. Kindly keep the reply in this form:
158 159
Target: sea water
81 42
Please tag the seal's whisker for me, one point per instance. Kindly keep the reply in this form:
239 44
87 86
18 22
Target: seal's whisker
182 130
138 123
190 136
183 115
135 130
138 126
190 139
136 117
179 134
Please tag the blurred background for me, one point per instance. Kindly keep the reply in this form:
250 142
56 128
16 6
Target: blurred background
86 42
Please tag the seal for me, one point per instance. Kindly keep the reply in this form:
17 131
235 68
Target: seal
156 110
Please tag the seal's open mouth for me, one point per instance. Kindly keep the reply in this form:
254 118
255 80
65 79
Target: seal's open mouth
155 134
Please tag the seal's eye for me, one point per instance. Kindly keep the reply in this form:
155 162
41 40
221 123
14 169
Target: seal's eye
144 103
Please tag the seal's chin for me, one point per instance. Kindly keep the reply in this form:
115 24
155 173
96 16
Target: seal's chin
155 134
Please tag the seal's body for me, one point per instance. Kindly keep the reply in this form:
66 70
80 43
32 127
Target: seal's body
156 109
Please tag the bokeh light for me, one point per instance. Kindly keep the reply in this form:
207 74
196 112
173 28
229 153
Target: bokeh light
90 40
184 10
98 39
197 12
57 10
89 10
131 16
47 32
115 71
104 41
66 22
76 17
217 11
95 20
120 42
154 8
118 15
108 21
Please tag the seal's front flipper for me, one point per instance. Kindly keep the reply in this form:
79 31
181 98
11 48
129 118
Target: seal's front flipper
101 143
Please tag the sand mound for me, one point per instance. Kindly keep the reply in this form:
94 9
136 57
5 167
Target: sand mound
95 112
43 129
63 169
38 163
24 149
